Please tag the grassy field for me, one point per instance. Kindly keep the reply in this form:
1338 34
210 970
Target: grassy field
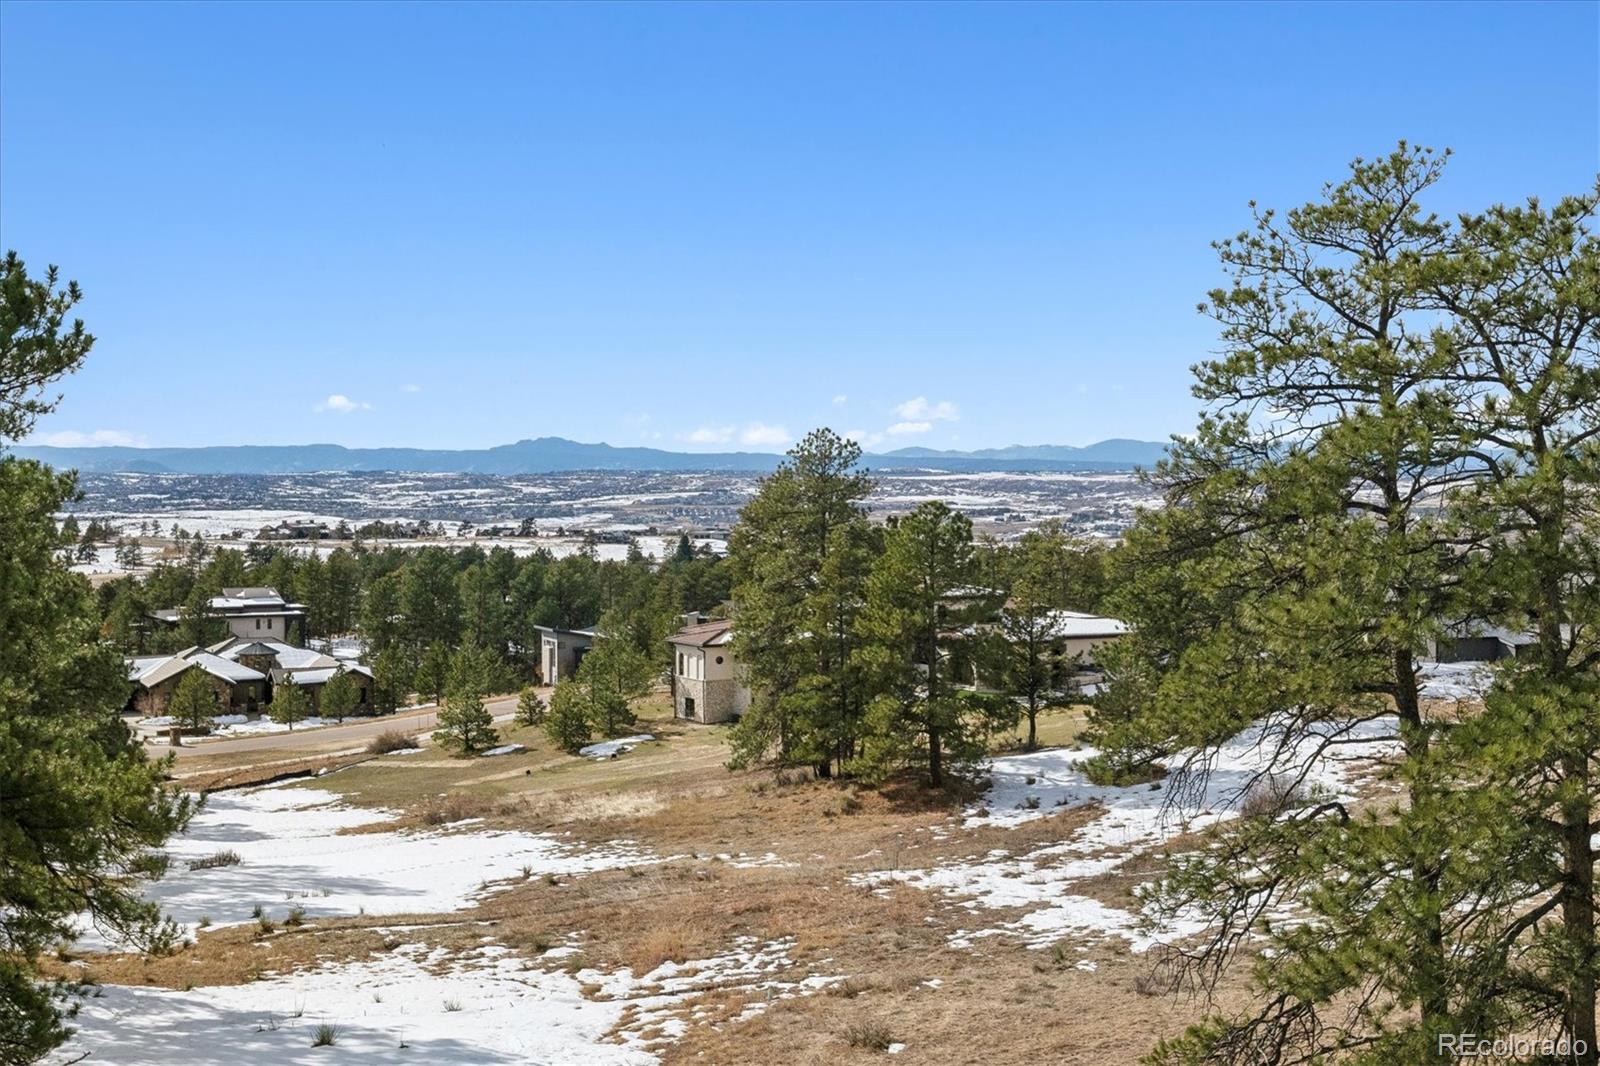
744 854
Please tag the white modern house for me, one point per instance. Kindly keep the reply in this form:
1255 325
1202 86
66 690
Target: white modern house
249 612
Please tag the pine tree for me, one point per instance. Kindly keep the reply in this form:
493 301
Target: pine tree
432 675
78 827
290 705
1348 493
1029 662
392 678
464 722
567 723
1522 286
531 707
195 701
613 674
917 711
799 557
341 695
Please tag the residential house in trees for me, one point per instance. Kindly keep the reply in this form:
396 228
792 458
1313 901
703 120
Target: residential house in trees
707 684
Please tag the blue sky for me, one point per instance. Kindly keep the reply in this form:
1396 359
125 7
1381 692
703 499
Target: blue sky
710 227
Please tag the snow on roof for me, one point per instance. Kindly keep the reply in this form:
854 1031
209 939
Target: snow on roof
152 670
1067 625
287 655
139 667
253 599
319 675
226 669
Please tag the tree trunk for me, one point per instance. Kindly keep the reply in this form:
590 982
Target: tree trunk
1577 914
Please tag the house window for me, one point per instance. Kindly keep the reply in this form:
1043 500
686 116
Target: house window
688 706
258 623
269 625
719 660
680 664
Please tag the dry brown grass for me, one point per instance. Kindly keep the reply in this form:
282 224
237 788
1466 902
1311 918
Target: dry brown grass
995 1003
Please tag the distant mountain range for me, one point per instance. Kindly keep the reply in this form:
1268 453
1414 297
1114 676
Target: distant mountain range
555 454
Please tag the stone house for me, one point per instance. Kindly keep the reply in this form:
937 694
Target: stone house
240 689
707 685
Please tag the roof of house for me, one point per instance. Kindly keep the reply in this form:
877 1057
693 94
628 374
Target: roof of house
287 655
715 633
152 670
1067 625
320 675
574 632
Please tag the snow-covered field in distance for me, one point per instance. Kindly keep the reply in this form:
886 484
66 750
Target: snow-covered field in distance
224 504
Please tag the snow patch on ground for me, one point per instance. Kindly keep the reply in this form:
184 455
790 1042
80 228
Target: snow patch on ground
662 1003
392 1010
607 748
1454 681
292 854
1131 820
506 749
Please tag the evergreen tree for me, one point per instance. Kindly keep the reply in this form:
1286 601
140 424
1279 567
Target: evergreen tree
1522 288
290 705
39 346
1349 491
129 554
381 619
197 622
464 722
195 701
1027 653
83 813
799 557
567 723
916 711
392 678
613 674
76 824
432 675
531 707
341 695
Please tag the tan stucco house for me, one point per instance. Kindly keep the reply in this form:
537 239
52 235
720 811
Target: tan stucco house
707 685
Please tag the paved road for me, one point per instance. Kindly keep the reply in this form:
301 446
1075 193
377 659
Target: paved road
353 734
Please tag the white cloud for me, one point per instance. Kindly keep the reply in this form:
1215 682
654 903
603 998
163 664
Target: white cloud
919 410
342 404
712 435
863 437
752 433
410 388
761 433
906 429
74 438
840 400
